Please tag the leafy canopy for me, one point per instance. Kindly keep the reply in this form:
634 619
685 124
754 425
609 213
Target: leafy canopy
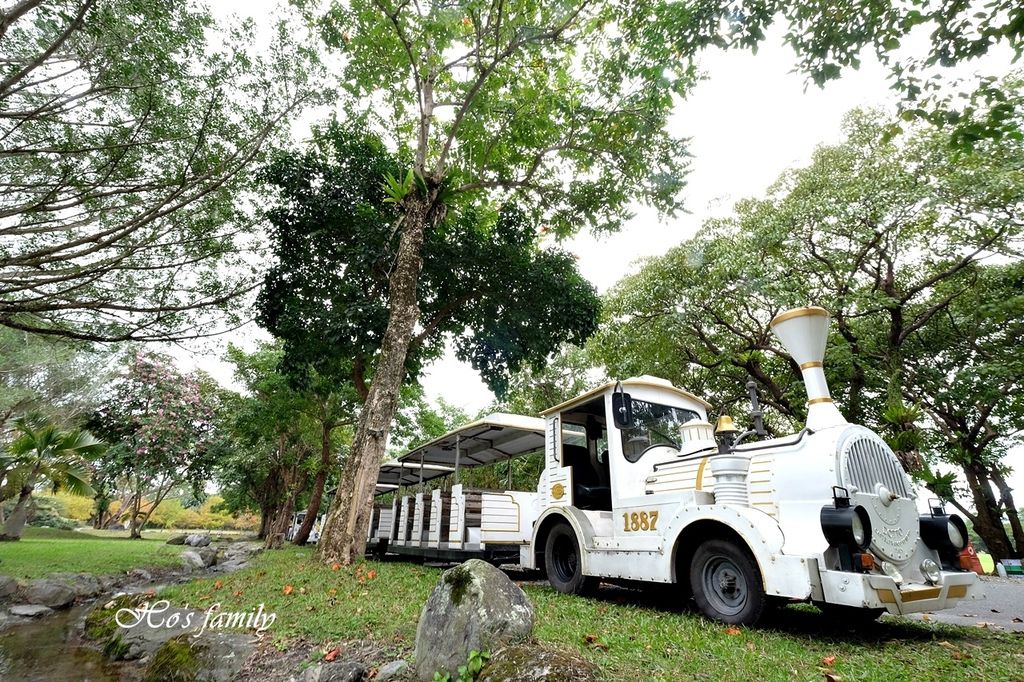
486 280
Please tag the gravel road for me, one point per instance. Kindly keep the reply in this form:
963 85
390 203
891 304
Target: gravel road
1002 607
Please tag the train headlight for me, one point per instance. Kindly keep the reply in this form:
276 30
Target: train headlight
947 534
930 571
846 525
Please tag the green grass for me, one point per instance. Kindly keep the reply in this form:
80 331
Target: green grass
632 636
47 550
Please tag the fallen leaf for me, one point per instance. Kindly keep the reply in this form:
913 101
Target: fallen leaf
217 585
832 677
332 654
994 610
750 646
288 589
828 661
335 566
302 590
371 575
1017 620
731 630
946 644
238 593
333 591
925 616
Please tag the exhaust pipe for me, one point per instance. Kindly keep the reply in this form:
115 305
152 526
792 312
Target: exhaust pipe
804 332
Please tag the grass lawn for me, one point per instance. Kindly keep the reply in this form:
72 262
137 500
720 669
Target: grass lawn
46 550
625 632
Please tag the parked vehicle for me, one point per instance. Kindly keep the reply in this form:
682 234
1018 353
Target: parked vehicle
638 486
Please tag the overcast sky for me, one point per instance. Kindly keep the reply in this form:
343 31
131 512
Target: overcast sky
750 120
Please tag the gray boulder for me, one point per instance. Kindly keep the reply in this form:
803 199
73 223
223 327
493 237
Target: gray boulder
84 584
48 592
342 671
191 559
197 540
30 610
177 540
391 670
8 587
474 606
535 663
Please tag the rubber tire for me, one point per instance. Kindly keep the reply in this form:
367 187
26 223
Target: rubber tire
563 563
743 565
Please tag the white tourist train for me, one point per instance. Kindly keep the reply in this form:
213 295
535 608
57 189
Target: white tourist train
638 486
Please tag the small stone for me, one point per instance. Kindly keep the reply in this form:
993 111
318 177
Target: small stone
140 574
391 670
30 610
343 671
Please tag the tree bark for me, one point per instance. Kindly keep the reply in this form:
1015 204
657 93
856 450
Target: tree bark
313 510
343 539
988 521
19 515
1010 509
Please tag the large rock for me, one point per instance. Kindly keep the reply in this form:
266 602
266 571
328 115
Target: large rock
8 587
84 584
48 592
535 663
201 557
177 540
474 607
197 540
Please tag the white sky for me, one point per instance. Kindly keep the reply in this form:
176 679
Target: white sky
748 122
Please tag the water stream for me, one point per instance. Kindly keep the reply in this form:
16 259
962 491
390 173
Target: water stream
51 648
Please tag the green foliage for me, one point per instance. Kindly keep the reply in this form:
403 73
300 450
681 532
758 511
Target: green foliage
486 280
125 163
468 672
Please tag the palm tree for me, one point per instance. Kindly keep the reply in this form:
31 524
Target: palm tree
44 452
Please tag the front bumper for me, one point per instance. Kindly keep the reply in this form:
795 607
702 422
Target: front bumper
881 592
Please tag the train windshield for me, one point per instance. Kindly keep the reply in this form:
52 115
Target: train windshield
653 426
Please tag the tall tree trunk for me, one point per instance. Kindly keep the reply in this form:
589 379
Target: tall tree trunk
134 532
313 510
265 515
1010 509
283 517
19 515
988 520
343 538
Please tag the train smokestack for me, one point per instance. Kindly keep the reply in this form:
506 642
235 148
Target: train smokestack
804 332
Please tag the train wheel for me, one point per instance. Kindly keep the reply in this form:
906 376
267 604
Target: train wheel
726 583
563 563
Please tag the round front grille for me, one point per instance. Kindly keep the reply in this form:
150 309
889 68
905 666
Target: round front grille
875 479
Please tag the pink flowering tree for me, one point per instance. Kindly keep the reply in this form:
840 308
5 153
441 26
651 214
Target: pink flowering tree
161 424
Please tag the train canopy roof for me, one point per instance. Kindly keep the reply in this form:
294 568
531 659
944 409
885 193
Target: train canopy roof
496 437
395 473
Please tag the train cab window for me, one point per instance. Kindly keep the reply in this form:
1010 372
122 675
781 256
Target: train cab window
654 426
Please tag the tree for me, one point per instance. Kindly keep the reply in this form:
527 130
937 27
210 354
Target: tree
124 164
325 404
561 107
161 426
44 452
893 240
